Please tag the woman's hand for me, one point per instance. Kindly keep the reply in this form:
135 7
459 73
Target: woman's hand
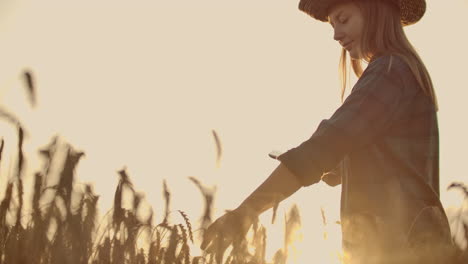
229 228
331 179
233 226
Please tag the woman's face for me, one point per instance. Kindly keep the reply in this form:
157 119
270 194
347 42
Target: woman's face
348 23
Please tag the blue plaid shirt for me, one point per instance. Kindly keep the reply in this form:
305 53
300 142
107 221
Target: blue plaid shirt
384 144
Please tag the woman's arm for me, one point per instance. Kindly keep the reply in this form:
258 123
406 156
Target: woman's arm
234 224
366 115
278 186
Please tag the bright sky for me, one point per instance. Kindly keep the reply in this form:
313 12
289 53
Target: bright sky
142 85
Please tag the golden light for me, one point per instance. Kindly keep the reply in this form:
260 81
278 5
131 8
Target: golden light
144 84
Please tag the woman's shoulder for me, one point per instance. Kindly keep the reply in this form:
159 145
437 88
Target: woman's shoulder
389 63
387 70
392 69
390 66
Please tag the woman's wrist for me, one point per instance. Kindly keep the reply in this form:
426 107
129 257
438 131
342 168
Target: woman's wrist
247 211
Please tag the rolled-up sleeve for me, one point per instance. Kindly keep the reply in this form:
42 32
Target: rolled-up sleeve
366 113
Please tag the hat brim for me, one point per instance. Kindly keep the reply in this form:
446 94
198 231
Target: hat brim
411 11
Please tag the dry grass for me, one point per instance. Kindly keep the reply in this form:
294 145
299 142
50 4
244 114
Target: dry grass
62 226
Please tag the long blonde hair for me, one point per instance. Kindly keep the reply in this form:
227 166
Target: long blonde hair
383 34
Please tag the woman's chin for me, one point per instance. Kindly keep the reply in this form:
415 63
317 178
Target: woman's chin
354 55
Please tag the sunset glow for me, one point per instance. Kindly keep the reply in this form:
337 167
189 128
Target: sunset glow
142 85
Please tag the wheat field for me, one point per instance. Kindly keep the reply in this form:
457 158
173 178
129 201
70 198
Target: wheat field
58 222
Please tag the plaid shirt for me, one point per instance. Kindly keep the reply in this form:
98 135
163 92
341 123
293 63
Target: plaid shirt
383 143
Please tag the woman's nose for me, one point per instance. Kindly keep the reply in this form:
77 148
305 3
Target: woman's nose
338 34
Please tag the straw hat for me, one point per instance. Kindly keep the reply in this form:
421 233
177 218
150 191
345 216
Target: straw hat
411 10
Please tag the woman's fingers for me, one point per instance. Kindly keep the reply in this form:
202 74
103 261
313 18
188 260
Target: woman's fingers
229 227
212 231
218 245
220 231
209 235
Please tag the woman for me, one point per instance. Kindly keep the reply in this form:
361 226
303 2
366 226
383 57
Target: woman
381 144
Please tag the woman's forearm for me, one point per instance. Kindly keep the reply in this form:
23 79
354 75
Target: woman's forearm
278 186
